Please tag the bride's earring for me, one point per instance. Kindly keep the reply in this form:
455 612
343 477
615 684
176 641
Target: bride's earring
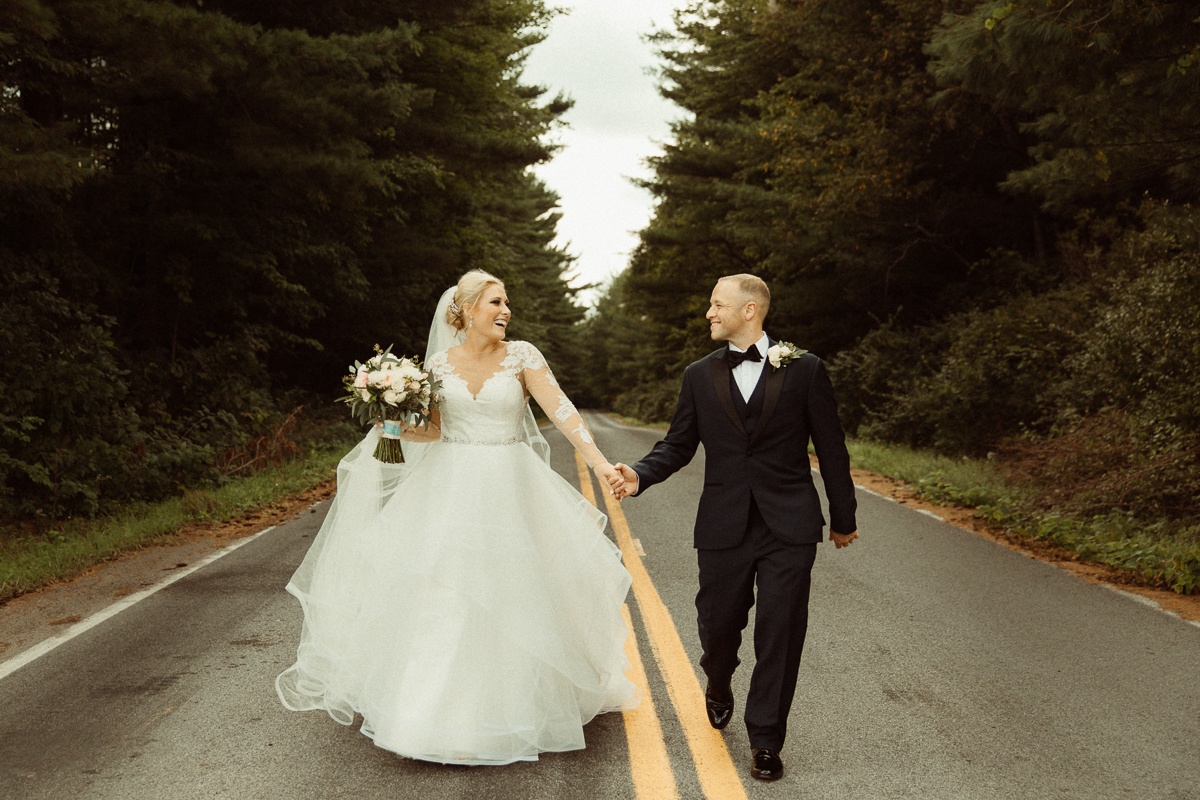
470 322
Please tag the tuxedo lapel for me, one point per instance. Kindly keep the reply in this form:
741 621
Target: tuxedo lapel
721 383
774 380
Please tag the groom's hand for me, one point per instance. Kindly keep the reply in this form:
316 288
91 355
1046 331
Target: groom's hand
610 478
840 540
631 481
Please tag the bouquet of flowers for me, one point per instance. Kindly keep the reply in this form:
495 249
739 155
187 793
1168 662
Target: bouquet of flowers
390 390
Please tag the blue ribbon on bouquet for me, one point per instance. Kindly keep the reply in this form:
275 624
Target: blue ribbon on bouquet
393 428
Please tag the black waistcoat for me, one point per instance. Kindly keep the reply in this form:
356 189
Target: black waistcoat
752 410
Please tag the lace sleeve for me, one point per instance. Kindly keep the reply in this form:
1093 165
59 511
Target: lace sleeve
542 386
438 364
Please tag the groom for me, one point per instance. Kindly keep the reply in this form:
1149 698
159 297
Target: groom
760 518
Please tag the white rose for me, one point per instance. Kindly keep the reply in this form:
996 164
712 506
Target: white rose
390 396
774 354
365 394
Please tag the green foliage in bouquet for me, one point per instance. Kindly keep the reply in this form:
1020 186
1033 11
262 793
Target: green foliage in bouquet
389 389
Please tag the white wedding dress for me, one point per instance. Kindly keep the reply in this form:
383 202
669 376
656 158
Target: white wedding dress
467 605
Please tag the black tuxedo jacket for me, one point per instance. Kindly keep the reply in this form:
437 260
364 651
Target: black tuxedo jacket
758 449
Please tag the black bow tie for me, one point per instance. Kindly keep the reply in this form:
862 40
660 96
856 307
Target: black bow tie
736 358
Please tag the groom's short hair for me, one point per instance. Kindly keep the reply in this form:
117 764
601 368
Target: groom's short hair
753 288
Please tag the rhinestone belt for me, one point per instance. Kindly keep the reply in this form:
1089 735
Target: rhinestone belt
456 440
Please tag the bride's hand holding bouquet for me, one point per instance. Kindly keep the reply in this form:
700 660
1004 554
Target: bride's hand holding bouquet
396 392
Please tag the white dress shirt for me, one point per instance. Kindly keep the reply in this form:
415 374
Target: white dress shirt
747 374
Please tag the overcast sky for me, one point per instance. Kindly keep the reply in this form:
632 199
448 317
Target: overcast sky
595 55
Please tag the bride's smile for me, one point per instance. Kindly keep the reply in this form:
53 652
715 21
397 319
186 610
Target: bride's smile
491 314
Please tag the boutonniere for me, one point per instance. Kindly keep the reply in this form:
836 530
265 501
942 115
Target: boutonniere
782 354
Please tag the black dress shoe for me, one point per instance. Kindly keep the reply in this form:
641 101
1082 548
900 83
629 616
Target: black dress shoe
766 765
718 702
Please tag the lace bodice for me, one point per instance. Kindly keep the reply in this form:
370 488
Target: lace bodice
490 409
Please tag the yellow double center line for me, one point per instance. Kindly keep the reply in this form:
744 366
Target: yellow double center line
652 775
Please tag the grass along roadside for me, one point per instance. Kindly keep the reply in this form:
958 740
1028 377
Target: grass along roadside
29 560
1161 554
962 483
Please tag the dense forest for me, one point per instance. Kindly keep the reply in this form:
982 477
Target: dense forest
208 209
981 214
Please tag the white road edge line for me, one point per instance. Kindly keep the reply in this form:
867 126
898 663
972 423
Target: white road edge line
926 512
1147 601
1135 597
859 488
37 651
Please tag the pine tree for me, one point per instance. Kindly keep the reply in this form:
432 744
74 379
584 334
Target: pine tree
1104 94
813 159
236 198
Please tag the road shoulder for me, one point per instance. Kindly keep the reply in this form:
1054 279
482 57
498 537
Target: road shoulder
1185 606
32 618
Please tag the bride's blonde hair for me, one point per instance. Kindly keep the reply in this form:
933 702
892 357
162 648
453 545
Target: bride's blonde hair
470 288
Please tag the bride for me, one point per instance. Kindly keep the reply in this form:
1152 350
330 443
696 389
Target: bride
466 603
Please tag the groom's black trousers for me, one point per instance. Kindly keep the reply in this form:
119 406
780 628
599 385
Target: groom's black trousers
727 579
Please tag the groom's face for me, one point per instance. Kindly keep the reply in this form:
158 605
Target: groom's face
726 316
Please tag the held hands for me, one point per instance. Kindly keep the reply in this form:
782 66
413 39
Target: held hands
610 478
841 540
630 485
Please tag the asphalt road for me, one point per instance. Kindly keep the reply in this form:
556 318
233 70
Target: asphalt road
938 665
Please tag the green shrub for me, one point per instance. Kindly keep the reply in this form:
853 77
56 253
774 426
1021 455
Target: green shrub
65 428
965 385
872 379
1089 392
72 440
1129 401
1145 342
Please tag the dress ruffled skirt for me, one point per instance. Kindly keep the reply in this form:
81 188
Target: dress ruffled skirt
468 608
